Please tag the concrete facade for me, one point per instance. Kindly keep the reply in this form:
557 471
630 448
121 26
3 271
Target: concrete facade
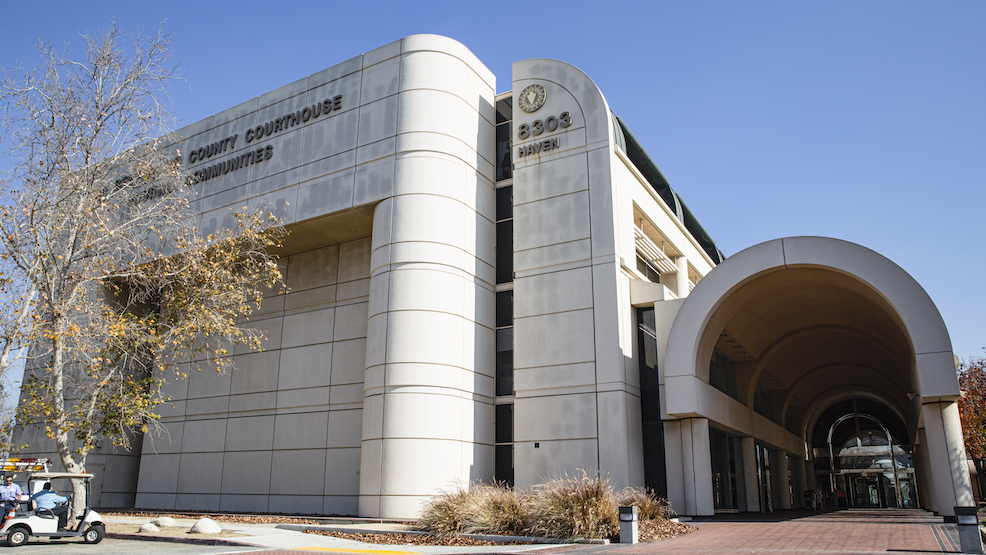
377 384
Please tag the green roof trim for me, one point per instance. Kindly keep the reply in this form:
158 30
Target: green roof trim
639 157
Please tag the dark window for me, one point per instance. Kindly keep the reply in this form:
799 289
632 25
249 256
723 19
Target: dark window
655 471
504 423
503 463
504 110
762 403
645 267
504 203
503 466
504 115
504 309
504 235
504 159
505 361
505 251
722 373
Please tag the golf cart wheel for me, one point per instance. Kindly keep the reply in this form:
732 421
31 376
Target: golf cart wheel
95 533
17 536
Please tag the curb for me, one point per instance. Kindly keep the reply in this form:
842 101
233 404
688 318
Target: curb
173 539
482 537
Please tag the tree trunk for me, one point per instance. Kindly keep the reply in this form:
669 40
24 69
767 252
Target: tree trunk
62 440
78 505
981 475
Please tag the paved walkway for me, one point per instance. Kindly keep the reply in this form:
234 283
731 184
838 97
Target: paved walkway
898 532
882 531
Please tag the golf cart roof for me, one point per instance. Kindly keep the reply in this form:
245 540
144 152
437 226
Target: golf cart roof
53 475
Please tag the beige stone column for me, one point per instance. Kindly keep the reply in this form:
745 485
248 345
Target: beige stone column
800 482
779 479
681 277
750 477
946 452
810 477
922 464
429 378
702 461
674 460
689 465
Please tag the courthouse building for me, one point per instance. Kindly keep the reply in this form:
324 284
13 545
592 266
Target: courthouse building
506 287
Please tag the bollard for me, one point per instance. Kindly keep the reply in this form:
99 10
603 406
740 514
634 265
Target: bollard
968 524
628 524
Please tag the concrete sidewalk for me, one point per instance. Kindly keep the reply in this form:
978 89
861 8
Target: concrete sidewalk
291 537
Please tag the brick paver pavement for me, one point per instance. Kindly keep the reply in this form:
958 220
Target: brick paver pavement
885 531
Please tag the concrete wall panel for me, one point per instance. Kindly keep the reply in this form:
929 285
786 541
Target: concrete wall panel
304 399
308 328
342 471
255 372
551 221
246 472
380 81
345 428
294 475
235 503
374 181
554 459
554 339
204 436
197 502
158 473
304 367
295 504
313 269
200 473
305 430
250 433
553 292
579 421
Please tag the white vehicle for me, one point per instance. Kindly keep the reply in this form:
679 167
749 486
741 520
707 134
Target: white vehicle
27 520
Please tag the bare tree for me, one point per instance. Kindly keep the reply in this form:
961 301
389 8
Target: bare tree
111 281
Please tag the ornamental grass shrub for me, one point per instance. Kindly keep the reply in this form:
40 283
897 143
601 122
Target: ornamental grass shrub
581 506
480 509
497 509
443 514
575 507
649 505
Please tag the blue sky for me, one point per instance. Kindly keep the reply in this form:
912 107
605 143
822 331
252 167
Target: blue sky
864 121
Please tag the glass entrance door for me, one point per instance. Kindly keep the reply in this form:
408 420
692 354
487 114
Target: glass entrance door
865 492
724 472
763 474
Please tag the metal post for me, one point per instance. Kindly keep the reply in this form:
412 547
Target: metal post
628 524
968 525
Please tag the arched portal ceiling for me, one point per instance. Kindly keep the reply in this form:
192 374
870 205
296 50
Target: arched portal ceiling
771 306
791 360
810 330
897 428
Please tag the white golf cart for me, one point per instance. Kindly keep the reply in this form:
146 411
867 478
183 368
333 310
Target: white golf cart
27 520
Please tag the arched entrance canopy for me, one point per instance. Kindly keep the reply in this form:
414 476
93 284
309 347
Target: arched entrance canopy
804 320
878 298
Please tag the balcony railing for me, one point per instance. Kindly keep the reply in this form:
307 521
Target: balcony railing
653 253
